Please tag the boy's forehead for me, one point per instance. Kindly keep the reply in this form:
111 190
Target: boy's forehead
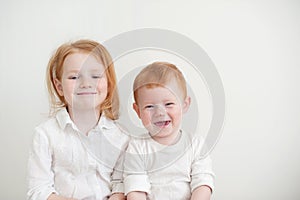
172 87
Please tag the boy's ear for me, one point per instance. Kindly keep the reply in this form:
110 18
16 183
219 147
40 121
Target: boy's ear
186 104
58 87
136 108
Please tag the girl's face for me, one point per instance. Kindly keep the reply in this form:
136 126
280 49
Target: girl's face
161 109
83 82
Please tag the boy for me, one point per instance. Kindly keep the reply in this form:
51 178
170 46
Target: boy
166 164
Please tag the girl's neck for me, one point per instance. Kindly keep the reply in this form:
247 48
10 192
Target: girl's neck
85 120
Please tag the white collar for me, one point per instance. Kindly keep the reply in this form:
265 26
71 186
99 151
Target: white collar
63 119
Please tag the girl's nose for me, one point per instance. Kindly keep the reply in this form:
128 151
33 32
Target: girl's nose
85 83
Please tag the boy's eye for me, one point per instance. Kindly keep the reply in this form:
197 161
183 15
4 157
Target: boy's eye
149 106
169 104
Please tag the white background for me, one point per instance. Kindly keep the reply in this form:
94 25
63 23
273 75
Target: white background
255 46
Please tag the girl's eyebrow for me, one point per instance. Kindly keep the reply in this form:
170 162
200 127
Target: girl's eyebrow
94 70
77 70
97 70
73 71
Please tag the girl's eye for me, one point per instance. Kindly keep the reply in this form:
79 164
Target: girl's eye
97 76
73 77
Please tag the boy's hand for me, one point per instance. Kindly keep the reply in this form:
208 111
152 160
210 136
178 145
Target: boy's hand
57 197
203 192
117 196
136 195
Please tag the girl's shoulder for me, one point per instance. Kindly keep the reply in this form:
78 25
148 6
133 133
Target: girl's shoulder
54 124
113 130
50 123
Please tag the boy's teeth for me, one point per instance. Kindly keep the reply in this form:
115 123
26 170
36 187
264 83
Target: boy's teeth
162 123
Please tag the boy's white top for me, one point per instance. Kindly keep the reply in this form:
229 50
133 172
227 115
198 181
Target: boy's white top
167 172
64 161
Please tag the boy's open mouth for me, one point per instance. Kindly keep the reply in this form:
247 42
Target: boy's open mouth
162 123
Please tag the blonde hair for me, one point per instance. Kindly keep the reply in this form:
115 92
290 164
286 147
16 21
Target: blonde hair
159 74
110 105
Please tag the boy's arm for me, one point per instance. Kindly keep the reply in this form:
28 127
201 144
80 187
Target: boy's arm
117 181
117 178
202 175
136 195
136 182
57 197
117 175
201 193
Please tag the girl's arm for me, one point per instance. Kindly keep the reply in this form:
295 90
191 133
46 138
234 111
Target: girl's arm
40 177
201 193
136 195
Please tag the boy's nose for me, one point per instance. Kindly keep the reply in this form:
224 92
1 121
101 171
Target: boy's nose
160 110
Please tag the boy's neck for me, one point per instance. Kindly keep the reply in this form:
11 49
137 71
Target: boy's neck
168 141
85 120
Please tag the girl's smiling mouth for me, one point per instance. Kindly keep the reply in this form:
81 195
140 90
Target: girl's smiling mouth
86 93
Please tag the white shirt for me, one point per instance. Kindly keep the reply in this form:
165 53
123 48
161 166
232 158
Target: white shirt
64 161
167 172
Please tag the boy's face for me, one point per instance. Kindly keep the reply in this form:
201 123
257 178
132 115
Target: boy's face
83 82
161 109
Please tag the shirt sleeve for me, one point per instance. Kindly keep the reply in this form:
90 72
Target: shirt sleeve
117 175
135 173
201 173
117 181
40 176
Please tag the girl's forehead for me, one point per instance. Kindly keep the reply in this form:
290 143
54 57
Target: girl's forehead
82 61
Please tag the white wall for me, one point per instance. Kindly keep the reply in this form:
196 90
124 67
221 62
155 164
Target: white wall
254 45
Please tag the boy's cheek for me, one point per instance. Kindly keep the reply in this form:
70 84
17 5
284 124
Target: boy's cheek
149 128
146 120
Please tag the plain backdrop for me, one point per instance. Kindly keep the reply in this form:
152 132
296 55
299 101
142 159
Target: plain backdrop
255 46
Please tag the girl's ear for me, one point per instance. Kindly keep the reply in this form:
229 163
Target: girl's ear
58 87
186 104
137 110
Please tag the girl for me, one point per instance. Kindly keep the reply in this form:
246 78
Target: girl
75 153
